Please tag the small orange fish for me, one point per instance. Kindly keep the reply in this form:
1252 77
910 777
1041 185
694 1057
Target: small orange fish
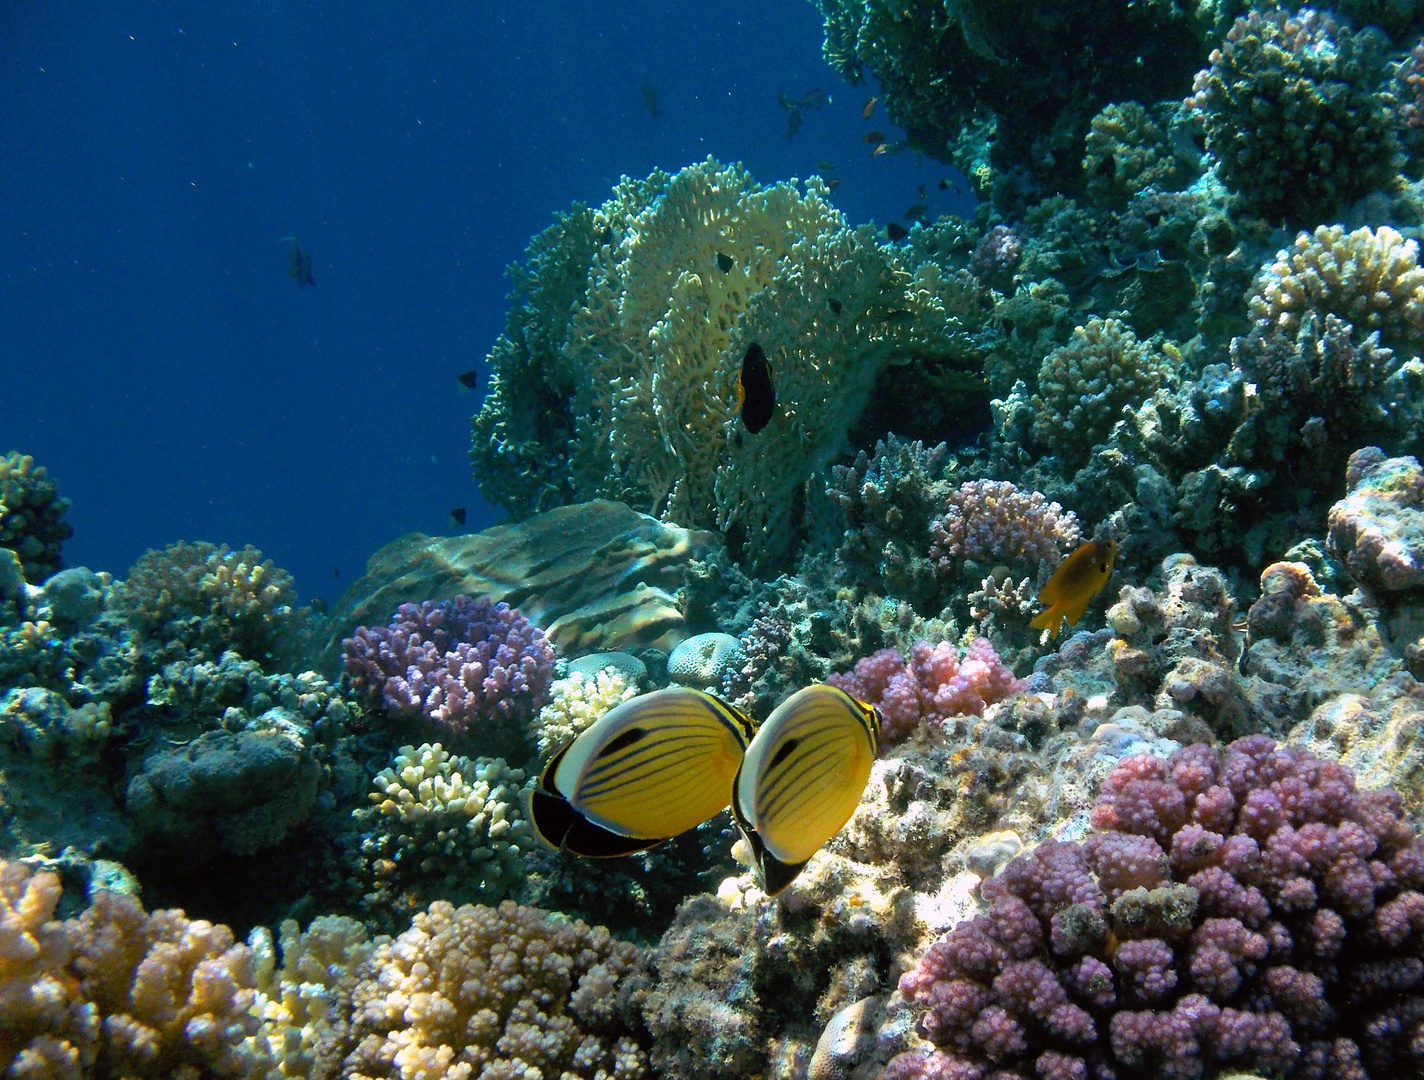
869 108
873 136
833 183
1070 590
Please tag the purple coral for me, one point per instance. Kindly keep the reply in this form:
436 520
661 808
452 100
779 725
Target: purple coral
1299 951
997 257
462 664
936 684
992 521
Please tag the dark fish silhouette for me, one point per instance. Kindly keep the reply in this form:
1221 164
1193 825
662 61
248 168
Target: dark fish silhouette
917 212
650 98
457 515
299 268
756 397
873 137
724 262
826 166
836 305
793 123
943 184
896 231
833 183
813 98
468 379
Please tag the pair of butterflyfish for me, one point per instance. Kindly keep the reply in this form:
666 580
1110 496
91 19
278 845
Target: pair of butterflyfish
665 762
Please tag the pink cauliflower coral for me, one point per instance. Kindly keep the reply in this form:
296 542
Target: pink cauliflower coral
936 684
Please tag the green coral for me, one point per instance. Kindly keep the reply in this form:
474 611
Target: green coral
633 394
1298 113
1084 386
1125 151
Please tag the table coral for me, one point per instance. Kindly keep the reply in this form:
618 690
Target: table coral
474 670
935 684
632 394
32 516
1297 113
1267 916
495 992
208 598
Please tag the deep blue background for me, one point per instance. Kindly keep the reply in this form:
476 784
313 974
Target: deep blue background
156 356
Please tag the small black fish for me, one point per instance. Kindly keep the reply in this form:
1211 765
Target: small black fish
299 264
836 305
923 196
335 573
917 212
605 238
814 98
756 397
468 379
793 123
457 515
943 184
725 262
650 98
896 231
873 136
826 166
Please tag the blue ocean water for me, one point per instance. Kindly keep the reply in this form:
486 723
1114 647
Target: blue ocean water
157 357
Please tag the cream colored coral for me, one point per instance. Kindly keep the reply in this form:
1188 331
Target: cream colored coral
575 703
494 992
1371 278
303 1002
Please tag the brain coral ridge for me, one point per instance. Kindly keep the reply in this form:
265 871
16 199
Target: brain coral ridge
1240 909
632 394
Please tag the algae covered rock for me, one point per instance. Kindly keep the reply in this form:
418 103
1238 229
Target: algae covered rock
1377 530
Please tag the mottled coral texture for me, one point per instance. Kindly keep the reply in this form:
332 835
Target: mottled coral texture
507 993
935 684
472 668
1244 909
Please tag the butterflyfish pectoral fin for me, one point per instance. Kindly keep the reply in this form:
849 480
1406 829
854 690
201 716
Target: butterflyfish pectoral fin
647 770
802 779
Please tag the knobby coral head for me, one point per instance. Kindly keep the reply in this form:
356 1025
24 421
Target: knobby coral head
465 665
1244 909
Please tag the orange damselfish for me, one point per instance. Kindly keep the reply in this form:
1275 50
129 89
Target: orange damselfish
1078 579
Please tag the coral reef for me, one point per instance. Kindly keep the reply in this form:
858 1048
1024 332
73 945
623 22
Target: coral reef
32 513
933 685
508 991
1377 530
208 598
1243 908
118 992
1298 113
576 702
993 522
442 825
704 659
477 672
594 576
632 394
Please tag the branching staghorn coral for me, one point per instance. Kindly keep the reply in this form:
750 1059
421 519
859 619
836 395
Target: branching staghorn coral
639 397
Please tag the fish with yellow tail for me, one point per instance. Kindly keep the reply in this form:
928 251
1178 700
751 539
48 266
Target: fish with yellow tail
1070 590
645 771
802 778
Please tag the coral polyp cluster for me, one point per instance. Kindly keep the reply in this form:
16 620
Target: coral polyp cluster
1246 908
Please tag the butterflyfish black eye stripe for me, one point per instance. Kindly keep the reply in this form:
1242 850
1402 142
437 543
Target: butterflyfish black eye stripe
801 779
648 769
